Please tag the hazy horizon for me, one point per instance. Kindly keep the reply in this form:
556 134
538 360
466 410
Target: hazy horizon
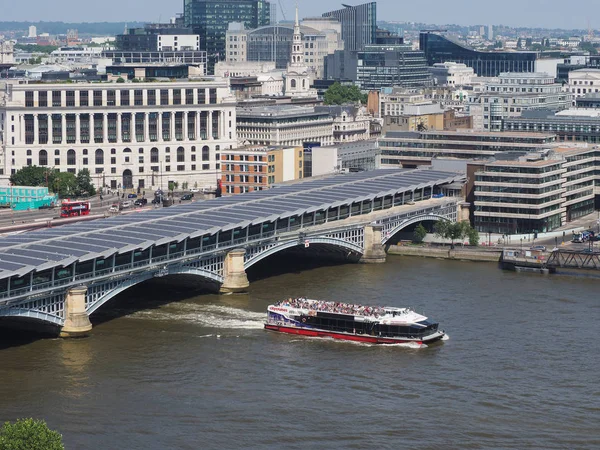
514 13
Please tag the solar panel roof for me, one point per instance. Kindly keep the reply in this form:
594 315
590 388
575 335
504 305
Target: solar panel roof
41 249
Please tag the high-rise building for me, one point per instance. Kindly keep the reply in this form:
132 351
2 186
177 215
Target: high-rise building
210 19
32 31
359 25
490 32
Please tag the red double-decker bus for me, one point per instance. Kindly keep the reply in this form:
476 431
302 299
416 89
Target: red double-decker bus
70 208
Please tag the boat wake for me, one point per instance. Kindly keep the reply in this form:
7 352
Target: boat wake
211 316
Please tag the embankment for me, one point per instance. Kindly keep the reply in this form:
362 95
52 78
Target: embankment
459 253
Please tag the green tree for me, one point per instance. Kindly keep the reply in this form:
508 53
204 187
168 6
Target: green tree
440 229
84 184
29 434
30 176
338 94
419 234
473 237
64 184
120 80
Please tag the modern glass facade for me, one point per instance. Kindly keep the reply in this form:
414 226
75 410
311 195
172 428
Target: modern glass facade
439 48
272 43
397 65
210 19
359 24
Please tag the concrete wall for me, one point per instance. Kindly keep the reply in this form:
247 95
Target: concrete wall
466 254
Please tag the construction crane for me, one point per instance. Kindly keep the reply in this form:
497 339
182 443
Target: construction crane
282 11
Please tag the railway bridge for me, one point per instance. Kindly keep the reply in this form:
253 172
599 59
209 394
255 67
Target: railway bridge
61 276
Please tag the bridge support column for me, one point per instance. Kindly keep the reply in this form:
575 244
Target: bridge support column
234 274
374 251
77 322
463 212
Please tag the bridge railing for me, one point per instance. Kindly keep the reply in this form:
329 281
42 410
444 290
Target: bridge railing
290 232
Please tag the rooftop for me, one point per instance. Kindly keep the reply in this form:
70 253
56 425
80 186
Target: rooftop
58 247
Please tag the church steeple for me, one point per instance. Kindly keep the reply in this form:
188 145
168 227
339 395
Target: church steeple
297 47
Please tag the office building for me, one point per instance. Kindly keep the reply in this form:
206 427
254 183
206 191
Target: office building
274 43
411 149
535 192
569 125
350 123
129 135
583 81
210 19
254 168
359 27
158 37
510 94
440 48
6 53
348 157
284 125
380 66
452 74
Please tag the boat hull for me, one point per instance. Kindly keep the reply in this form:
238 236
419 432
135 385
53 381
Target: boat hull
312 332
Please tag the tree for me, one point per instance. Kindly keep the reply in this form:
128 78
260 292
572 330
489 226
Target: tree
29 434
440 229
120 80
30 176
63 183
337 94
419 234
83 183
473 237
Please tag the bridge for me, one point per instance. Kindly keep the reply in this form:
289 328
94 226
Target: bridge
61 276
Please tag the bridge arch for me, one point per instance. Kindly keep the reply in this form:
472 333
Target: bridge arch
100 294
24 313
278 247
407 222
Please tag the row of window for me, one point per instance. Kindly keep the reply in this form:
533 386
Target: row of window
121 97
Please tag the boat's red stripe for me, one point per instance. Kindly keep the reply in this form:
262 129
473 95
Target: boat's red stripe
345 337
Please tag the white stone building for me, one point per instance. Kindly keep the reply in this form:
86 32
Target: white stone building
510 94
6 52
128 135
583 81
452 74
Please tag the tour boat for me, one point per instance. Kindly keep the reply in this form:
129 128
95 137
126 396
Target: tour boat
372 324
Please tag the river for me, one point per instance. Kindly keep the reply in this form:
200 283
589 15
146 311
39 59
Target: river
167 369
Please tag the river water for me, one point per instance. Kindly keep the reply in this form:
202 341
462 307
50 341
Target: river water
164 369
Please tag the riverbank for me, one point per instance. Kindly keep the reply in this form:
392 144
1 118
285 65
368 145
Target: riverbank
458 253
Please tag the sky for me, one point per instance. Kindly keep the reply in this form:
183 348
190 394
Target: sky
530 13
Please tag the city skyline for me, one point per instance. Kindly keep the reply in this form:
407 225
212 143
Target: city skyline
540 14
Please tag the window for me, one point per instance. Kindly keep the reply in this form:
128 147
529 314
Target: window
180 167
180 155
205 153
29 99
113 160
71 158
56 98
125 97
154 155
205 166
151 97
84 99
97 98
43 158
99 156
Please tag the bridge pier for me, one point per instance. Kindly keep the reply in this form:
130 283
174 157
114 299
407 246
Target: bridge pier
374 251
234 274
77 322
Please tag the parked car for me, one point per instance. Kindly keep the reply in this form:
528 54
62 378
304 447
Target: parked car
194 190
187 196
141 202
539 248
126 204
114 208
132 196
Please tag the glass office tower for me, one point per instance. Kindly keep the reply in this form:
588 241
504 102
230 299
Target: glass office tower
210 19
359 25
